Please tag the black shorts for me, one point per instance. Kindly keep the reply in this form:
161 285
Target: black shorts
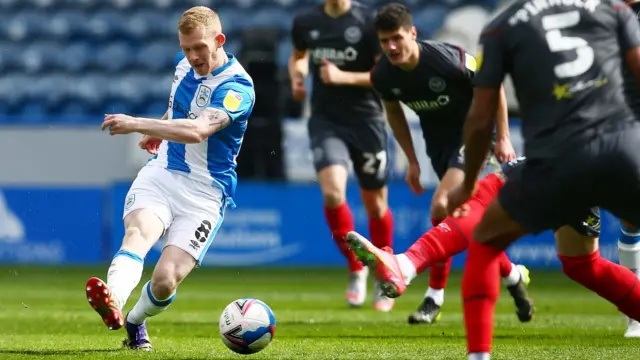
586 222
546 194
364 146
450 157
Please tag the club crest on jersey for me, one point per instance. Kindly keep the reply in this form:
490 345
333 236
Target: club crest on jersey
353 34
203 95
232 101
436 84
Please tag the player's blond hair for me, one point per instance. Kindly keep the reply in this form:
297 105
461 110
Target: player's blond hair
197 17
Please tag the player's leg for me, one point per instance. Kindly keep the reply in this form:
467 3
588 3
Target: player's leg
157 294
480 281
449 238
368 152
199 211
331 161
581 261
629 256
146 215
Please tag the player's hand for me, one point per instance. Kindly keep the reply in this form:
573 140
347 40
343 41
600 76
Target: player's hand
150 143
504 151
330 74
413 178
119 124
298 90
457 196
462 211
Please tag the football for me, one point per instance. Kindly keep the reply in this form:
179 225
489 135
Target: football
247 326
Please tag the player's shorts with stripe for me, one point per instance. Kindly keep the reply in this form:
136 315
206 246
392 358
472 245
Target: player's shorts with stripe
452 157
191 211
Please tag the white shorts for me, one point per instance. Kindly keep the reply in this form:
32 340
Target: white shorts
191 211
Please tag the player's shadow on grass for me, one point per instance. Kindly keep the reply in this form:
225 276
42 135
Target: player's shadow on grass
56 352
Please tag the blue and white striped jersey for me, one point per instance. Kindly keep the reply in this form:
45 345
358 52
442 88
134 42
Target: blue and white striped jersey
213 161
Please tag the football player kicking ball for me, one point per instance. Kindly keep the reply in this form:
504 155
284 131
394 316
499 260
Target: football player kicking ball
434 79
449 238
182 193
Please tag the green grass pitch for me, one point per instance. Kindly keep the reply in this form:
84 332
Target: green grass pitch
44 315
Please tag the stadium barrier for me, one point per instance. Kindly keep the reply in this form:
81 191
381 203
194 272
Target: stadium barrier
273 225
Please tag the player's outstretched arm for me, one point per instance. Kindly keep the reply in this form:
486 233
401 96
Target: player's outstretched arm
183 131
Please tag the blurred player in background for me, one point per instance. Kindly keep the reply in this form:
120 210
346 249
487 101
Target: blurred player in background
629 239
346 124
581 139
434 79
447 239
183 191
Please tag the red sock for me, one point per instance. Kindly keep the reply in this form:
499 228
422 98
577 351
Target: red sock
439 274
443 241
381 230
613 282
505 265
340 222
480 290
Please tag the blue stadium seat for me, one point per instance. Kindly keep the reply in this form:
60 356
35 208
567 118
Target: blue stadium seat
157 56
72 111
76 57
40 56
11 5
91 90
40 4
67 24
26 25
429 20
153 109
121 5
162 85
272 17
233 20
284 4
118 107
50 91
130 88
285 48
13 90
106 25
145 24
186 4
9 56
115 57
82 5
157 4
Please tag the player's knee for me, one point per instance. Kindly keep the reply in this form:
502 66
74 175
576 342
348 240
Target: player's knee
375 202
439 209
333 197
163 284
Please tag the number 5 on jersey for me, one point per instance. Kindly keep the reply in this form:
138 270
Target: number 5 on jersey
552 24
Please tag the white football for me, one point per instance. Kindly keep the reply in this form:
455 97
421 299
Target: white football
247 326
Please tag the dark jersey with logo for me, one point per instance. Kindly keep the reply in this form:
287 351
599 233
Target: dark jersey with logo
565 59
439 89
350 42
631 86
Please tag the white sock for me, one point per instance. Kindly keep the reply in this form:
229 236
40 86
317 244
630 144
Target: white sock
124 275
148 305
514 276
407 268
479 356
436 294
629 249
